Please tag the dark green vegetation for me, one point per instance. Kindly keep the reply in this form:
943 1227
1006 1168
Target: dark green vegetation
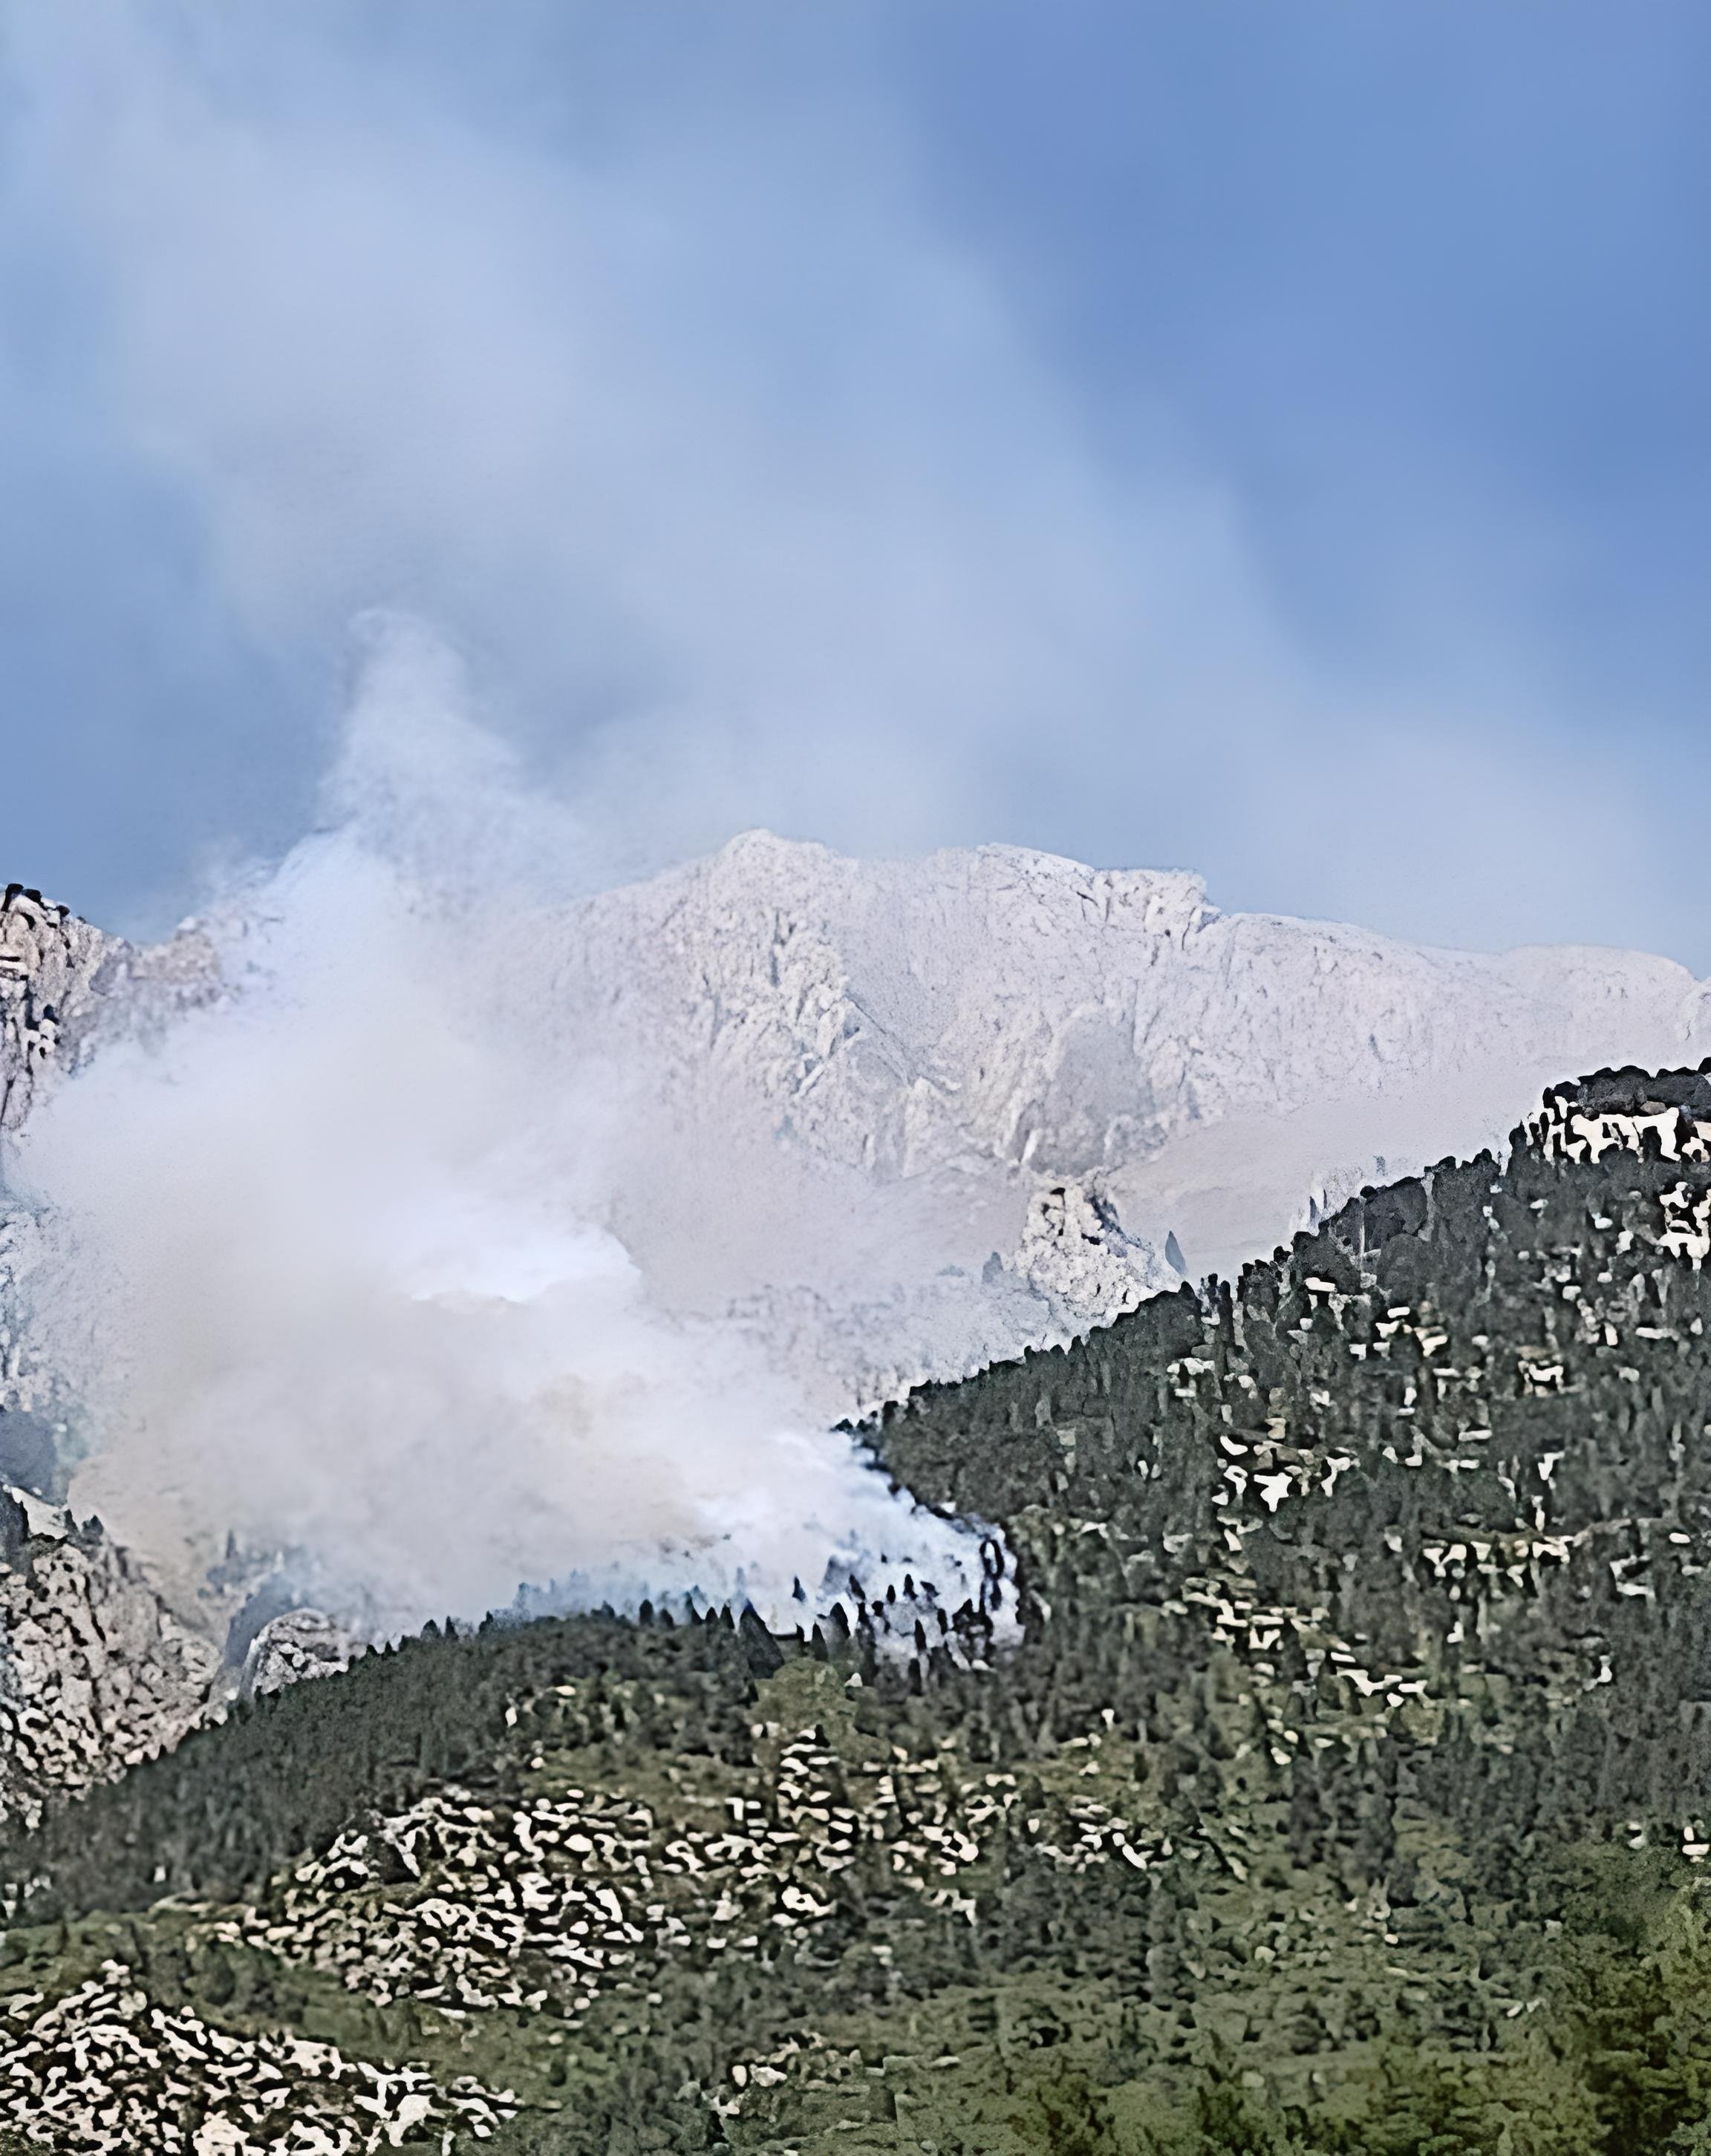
1347 1792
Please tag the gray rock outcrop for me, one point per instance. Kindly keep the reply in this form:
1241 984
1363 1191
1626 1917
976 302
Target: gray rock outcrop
97 1672
65 986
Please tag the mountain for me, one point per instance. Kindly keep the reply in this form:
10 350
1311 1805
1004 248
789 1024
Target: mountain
850 1086
1346 1789
834 1092
890 1120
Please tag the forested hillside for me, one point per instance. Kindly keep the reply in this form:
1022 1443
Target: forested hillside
1346 1791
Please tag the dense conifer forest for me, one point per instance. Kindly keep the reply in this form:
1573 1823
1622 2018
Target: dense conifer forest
1327 1770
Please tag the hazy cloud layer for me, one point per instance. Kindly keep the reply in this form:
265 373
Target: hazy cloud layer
639 355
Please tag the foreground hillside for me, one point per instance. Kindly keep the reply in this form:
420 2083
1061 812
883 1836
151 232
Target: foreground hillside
1347 1792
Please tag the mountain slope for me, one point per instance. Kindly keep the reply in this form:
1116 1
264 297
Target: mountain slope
1347 1789
889 1120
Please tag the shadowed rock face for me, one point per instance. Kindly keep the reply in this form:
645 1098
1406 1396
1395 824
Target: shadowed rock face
49 959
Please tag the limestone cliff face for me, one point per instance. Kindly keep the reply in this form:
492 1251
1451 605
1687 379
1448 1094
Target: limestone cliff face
868 1075
49 959
65 986
96 1672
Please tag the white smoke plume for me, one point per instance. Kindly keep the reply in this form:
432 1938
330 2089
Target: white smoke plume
325 1266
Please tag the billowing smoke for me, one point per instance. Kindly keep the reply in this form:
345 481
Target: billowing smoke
324 1267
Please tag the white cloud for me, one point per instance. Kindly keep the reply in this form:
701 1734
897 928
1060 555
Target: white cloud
657 386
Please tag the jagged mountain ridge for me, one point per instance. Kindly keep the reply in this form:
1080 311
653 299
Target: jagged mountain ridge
975 1031
840 1090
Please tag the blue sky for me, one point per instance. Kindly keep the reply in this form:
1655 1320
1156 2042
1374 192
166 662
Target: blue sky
1265 439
